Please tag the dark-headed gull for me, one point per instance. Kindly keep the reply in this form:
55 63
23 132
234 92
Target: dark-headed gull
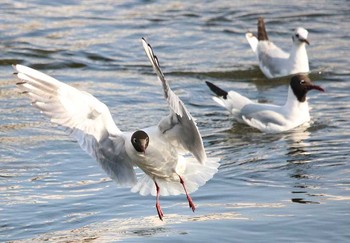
270 118
171 154
273 61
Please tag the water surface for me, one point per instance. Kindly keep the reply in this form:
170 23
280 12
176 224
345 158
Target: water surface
293 186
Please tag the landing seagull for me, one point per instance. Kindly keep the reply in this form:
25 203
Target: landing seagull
269 118
273 61
171 154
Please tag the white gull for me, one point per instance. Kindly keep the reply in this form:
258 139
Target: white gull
171 154
273 61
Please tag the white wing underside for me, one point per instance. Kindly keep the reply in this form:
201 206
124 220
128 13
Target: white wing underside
84 117
179 126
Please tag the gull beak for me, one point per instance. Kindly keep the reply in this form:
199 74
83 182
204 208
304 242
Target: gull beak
305 40
319 88
143 145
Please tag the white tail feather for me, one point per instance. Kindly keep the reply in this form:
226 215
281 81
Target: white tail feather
220 101
194 176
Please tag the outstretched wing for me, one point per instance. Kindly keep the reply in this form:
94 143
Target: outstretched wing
85 118
179 125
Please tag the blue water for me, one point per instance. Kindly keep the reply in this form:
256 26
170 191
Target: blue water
291 187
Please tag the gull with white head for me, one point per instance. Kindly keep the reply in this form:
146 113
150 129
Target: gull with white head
273 61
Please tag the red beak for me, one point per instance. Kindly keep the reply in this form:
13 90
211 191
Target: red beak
319 88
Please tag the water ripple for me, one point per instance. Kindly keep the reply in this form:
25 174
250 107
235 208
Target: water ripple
278 186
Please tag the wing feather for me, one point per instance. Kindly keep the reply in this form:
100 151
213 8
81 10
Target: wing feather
264 117
83 116
179 125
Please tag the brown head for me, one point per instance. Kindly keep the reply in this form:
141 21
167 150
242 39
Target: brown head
301 84
140 140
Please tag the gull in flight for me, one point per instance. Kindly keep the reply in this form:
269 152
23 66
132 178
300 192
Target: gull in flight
171 154
273 61
269 118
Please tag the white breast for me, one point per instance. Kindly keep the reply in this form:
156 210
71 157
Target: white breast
159 160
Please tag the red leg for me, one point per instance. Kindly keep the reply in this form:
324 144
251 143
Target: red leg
189 199
159 210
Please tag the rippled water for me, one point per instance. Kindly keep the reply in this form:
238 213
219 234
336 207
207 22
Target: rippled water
293 186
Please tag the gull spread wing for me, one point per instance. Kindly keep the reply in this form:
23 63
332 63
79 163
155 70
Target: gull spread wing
85 118
179 125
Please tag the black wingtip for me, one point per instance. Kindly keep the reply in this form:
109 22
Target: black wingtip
217 90
154 55
262 35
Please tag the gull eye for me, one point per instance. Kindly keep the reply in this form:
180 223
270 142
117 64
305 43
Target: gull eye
302 81
134 140
297 35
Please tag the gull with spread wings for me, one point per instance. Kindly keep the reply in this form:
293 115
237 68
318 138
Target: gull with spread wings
171 154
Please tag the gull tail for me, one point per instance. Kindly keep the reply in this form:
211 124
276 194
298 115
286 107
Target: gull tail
232 101
218 91
193 173
262 35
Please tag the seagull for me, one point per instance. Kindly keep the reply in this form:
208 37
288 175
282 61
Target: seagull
171 154
269 118
273 61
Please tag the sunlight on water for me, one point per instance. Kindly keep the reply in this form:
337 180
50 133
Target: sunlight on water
291 187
